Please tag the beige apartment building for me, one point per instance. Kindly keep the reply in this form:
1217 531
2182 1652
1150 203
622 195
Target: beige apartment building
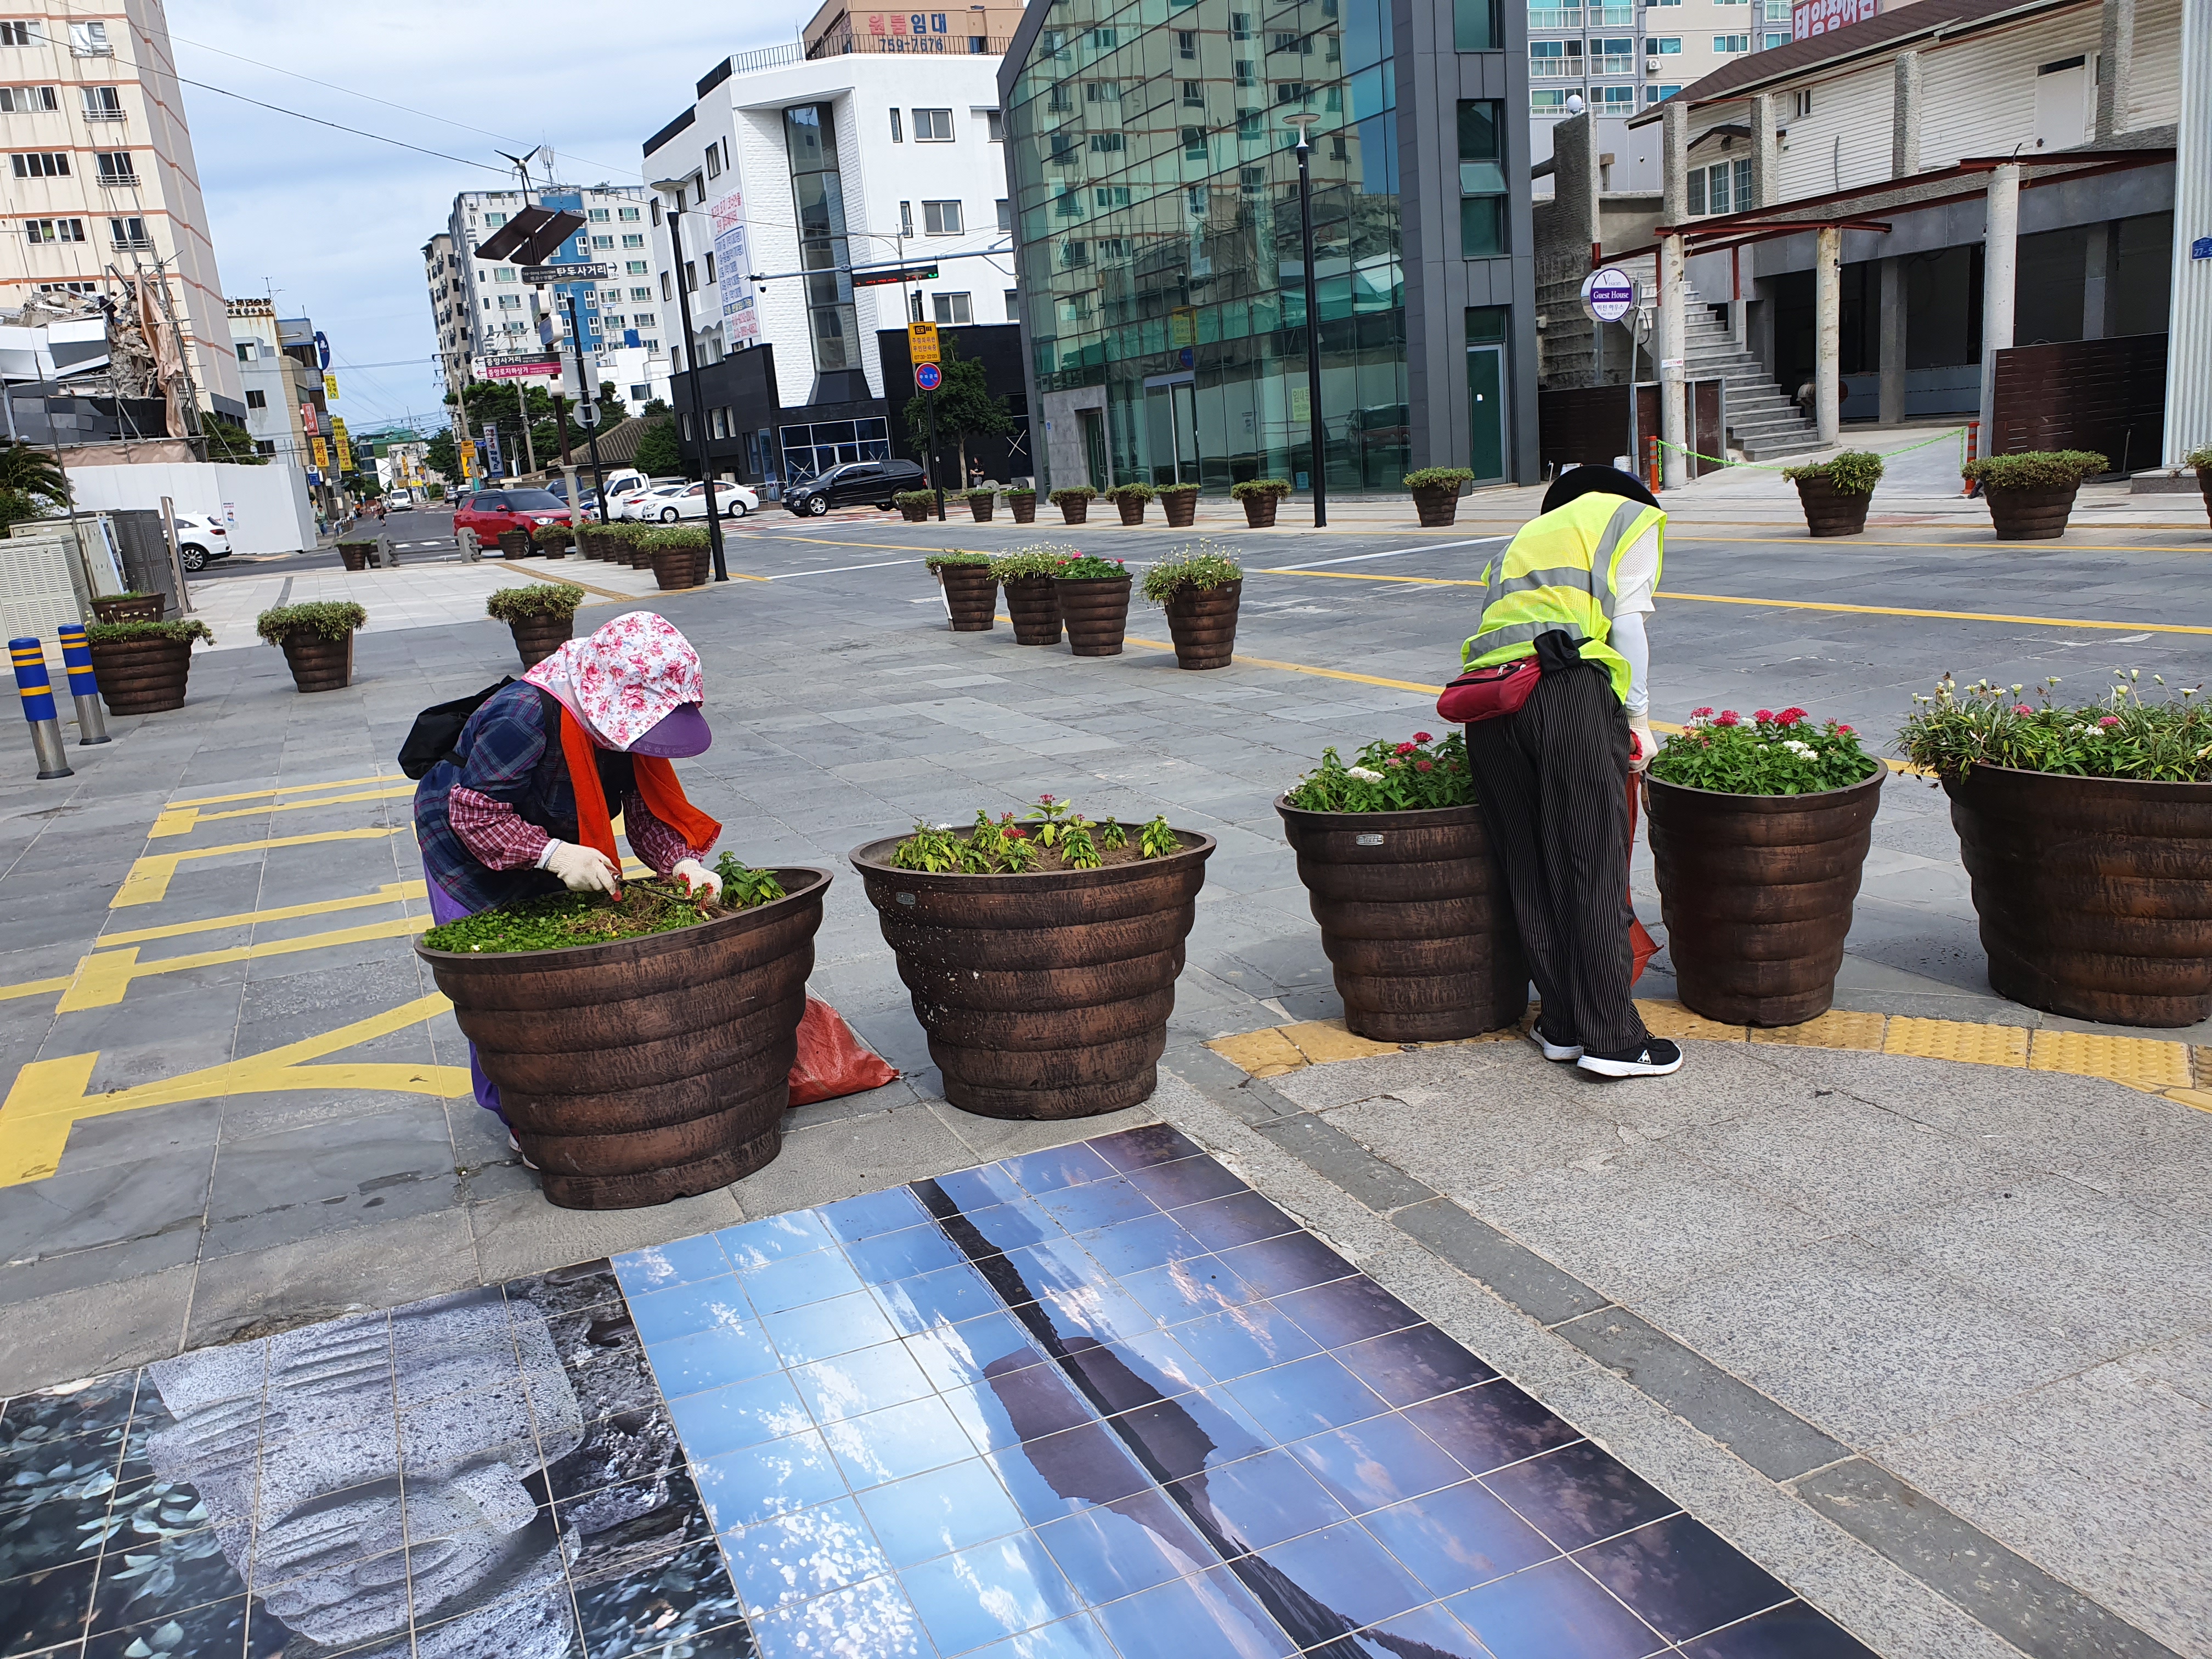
101 186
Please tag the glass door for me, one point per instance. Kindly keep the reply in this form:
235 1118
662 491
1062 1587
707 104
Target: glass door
1171 429
1093 422
1485 381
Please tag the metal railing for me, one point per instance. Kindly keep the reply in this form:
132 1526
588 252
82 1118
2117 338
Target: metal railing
839 42
1555 69
768 57
1545 17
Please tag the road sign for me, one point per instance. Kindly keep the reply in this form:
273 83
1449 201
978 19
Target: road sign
1608 294
891 274
587 415
928 376
591 273
921 343
519 368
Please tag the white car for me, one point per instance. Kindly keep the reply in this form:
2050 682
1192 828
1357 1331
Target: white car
735 500
645 502
201 540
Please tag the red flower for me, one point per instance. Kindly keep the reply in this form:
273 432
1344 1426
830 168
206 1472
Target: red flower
1845 729
2109 721
1044 800
1700 713
1421 736
1762 716
1789 716
1425 766
1405 748
1015 833
2022 708
1728 717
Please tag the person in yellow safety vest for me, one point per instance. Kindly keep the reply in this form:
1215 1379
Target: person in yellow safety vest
1572 589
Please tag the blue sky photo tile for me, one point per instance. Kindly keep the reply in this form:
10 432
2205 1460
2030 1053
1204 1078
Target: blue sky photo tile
1261 1501
1681 1577
1305 1397
1579 1494
1010 1226
980 1188
1243 1340
774 1478
1078 1637
1142 1147
1430 1631
1190 1181
755 1243
902 1254
927 1515
1055 1263
1458 1538
1163 1363
1057 1167
955 1356
1060 1473
661 1266
1209 1612
1221 1224
742 1414
1096 1309
1792 1631
1002 1412
947 1296
711 1358
892 1445
1188 1289
871 1620
1347 1311
1553 1611
1346 1571
796 1281
823 1330
1150 1241
867 1379
1118 1549
1384 1460
689 1309
1278 1265
1207 1423
995 1589
854 1220
1491 1426
1096 1204
1414 1364
796 1557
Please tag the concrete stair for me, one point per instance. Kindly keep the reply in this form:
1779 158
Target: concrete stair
1762 420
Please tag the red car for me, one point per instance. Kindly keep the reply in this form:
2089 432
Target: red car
492 511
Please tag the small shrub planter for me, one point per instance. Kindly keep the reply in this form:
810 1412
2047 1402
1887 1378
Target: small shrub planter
971 592
317 640
1198 589
358 556
590 541
1260 498
2201 461
2030 496
142 667
1046 995
1436 493
553 540
1074 503
1032 596
1836 493
1130 499
129 607
515 544
680 557
1414 914
1180 503
981 503
649 1068
1094 603
1023 504
915 505
542 617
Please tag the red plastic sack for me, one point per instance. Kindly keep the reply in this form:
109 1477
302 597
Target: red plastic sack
1642 946
832 1062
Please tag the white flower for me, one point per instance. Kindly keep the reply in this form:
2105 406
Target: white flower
1803 750
1363 774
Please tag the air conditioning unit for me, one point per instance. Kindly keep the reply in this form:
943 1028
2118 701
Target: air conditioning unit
1652 66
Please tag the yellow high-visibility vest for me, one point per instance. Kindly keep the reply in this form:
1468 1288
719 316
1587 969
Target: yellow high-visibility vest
1562 572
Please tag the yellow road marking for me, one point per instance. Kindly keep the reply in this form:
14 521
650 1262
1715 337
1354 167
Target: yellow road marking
31 987
183 820
49 1096
103 976
148 882
289 789
604 593
390 892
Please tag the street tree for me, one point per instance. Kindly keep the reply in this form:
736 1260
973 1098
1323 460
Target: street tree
965 407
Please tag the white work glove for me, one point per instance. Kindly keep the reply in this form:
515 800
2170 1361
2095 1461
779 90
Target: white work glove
582 869
694 875
1639 727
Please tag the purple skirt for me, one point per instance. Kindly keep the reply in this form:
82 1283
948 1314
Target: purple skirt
445 908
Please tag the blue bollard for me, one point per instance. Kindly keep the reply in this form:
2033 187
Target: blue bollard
39 708
76 657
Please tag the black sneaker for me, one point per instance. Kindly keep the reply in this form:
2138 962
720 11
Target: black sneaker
1563 1052
1653 1057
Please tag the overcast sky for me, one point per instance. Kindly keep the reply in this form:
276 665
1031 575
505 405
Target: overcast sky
336 222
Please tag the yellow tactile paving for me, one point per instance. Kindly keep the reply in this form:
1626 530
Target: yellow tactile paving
2203 1068
1840 1028
2137 1061
1672 1019
2197 1097
1262 1054
1952 1039
1324 1039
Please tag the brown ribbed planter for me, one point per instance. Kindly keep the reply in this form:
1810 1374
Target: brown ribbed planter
1033 602
2204 488
636 554
318 664
355 555
537 638
971 593
1415 920
591 542
982 507
646 1069
1131 507
146 608
1076 511
2094 894
1180 506
141 676
2029 515
1830 511
675 568
1437 505
515 543
1202 622
913 514
1260 510
1757 892
1025 506
557 547
1097 611
1044 996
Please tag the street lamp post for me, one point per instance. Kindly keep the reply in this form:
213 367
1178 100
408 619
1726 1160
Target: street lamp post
1316 431
674 188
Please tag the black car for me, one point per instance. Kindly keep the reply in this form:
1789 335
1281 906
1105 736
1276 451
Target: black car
854 484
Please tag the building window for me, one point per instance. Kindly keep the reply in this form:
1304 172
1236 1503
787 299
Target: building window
1244 72
1187 45
1653 95
1005 216
637 267
100 103
932 126
1665 46
129 232
1481 179
1474 26
940 218
714 159
1014 304
1554 60
1108 197
53 230
898 133
1612 100
628 215
1240 25
1723 188
494 221
1102 92
1105 144
1727 44
256 399
597 215
1193 95
952 308
510 302
116 167
1774 40
43 164
264 446
28 100
1800 103
89 40
19 34
906 218
503 274
603 241
634 239
1194 143
641 295
994 126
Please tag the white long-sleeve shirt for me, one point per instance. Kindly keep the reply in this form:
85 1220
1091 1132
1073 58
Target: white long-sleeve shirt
1637 575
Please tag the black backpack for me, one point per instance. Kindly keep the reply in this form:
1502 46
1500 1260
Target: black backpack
436 729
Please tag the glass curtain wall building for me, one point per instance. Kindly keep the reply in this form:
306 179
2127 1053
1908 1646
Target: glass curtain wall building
1161 276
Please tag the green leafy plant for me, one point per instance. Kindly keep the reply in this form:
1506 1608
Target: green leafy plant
689 536
1438 477
561 921
965 403
1037 559
117 598
1156 841
1417 774
437 492
28 471
2200 458
513 605
1019 858
929 849
1111 835
2035 469
1050 835
553 535
1078 850
116 633
915 498
1772 754
1132 491
1251 486
1046 814
329 619
1072 493
744 887
2150 735
1021 493
1854 473
982 493
1198 567
1088 567
1178 489
954 560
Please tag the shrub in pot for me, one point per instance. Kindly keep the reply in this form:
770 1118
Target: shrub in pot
2086 832
515 544
1073 503
2030 494
1835 493
317 640
1130 498
128 607
1032 599
1436 492
980 504
553 540
915 505
1094 603
680 555
541 617
643 1045
1179 503
142 667
1759 831
971 592
631 548
1198 586
1412 904
2201 460
1041 953
357 555
1260 498
1023 504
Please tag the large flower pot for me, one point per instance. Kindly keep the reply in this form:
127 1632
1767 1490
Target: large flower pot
2094 894
1757 892
971 593
2029 515
1075 512
2204 488
676 568
1024 508
1045 996
553 550
1260 510
515 544
1415 920
356 555
537 638
318 664
1202 622
1437 505
1033 603
913 514
1830 511
1132 508
637 555
591 542
646 1069
1180 506
141 676
1097 611
981 506
146 607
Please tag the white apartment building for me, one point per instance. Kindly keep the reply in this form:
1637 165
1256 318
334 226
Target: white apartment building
101 185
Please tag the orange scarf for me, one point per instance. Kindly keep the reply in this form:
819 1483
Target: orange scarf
656 782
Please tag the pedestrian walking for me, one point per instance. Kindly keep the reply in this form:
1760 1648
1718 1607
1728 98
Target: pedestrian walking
1563 664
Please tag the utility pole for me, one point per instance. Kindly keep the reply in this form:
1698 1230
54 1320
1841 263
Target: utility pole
674 187
591 432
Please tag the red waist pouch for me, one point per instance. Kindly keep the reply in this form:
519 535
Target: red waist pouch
1484 694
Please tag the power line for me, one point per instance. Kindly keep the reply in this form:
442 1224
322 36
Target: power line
339 126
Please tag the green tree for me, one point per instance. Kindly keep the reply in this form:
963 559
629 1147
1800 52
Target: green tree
655 406
32 474
966 408
505 404
658 453
443 456
231 445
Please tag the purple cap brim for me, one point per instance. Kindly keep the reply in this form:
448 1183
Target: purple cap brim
683 731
